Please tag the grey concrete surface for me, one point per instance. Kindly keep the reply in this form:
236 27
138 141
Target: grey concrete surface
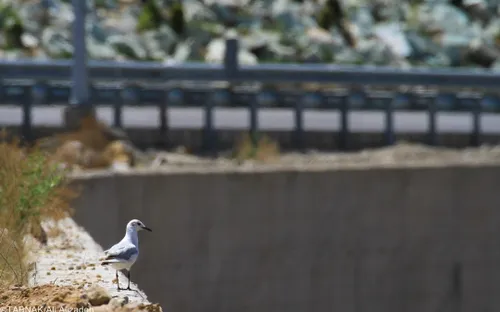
375 240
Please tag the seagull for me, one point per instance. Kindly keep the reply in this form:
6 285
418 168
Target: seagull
123 255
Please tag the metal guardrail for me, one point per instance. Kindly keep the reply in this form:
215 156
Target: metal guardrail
33 84
341 113
232 71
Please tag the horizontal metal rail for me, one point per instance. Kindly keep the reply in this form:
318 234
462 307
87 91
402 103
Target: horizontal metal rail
60 70
231 70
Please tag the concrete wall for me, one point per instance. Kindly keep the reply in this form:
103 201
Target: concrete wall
379 240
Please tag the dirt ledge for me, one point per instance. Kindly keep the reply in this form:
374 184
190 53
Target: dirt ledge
66 274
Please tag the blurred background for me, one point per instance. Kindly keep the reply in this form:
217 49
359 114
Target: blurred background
403 34
209 84
326 75
322 74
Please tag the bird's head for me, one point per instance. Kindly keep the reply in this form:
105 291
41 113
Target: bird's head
138 225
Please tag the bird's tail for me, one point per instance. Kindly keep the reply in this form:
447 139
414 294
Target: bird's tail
109 261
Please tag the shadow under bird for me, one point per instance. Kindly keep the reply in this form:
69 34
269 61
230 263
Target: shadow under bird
123 255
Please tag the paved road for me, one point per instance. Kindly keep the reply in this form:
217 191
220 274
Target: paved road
269 119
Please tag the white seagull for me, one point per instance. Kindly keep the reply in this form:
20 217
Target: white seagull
123 255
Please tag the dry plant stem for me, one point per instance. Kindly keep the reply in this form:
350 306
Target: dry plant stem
8 264
31 189
1 242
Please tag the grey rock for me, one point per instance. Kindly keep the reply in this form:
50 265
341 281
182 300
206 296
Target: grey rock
128 46
158 43
57 42
258 39
118 302
29 40
444 17
32 15
267 46
186 50
375 52
97 31
421 46
438 60
165 37
100 51
362 21
204 31
319 45
431 33
348 56
61 14
124 23
195 11
393 36
216 49
479 53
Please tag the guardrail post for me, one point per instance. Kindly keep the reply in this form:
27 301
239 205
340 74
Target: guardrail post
254 121
163 111
476 122
389 121
27 102
79 99
208 130
432 115
299 125
231 58
343 135
230 68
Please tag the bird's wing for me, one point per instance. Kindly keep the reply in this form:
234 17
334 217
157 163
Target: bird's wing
122 252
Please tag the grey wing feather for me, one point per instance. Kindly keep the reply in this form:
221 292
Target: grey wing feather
120 252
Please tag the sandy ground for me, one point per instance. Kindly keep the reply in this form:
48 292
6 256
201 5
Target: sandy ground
71 260
401 154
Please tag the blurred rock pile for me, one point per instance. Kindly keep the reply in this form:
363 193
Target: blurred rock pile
402 33
93 146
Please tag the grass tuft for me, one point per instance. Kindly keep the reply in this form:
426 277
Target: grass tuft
31 189
262 148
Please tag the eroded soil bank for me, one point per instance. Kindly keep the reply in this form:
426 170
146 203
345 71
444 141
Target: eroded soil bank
66 275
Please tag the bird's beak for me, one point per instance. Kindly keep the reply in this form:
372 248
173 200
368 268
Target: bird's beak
147 229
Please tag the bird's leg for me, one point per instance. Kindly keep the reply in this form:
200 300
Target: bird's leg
117 281
128 276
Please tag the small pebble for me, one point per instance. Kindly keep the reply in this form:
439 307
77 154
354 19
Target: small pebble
71 268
